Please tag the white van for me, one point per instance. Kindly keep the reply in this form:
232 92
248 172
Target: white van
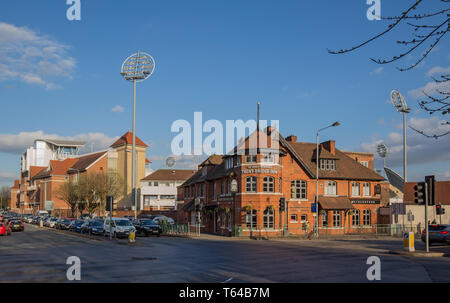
42 213
118 227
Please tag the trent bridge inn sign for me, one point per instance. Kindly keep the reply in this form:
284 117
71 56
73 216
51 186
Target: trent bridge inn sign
365 201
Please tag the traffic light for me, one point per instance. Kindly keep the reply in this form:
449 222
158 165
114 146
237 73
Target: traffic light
439 209
109 203
282 204
430 184
419 193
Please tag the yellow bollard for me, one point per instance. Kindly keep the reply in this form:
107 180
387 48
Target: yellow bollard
132 237
408 241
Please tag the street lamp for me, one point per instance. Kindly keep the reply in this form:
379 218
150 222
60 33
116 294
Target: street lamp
316 220
400 105
136 68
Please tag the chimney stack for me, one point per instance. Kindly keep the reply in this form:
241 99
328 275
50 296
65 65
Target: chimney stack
330 146
292 139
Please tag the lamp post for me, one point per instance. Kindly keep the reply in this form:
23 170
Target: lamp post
316 219
136 68
400 105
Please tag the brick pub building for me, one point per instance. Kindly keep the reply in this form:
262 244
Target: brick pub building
350 191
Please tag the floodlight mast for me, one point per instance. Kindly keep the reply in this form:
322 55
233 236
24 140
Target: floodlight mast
400 105
382 152
136 68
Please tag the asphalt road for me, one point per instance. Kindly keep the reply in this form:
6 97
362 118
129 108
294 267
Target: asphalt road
39 255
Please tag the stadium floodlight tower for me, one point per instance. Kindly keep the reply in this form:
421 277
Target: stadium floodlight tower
136 68
400 105
382 152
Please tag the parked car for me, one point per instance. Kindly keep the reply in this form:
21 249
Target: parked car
147 227
437 233
75 225
118 227
5 230
65 223
50 222
16 225
93 227
159 218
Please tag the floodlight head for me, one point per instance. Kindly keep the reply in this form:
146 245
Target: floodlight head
138 67
336 124
399 102
382 150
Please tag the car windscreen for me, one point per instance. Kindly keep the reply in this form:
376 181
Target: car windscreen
122 222
96 223
147 222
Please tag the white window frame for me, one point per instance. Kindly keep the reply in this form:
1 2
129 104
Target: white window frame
252 183
331 188
357 188
366 189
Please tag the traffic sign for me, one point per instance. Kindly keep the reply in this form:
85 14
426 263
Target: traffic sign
314 208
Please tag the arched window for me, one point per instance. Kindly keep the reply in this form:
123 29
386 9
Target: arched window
250 184
251 219
298 189
366 217
356 218
268 185
268 219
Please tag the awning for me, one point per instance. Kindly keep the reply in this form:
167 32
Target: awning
190 206
335 203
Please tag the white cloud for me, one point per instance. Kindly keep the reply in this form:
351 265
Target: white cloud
420 149
377 71
430 88
6 177
17 143
438 70
117 109
33 58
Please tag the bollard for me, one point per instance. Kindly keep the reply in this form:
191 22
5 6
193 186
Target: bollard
132 237
408 241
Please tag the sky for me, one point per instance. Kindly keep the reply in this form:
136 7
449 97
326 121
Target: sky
61 78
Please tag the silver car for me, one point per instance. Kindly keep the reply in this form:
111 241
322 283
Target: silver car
437 233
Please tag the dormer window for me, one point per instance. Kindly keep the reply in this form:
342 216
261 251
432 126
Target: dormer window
229 163
327 164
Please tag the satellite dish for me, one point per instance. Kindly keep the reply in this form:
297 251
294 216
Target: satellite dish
399 102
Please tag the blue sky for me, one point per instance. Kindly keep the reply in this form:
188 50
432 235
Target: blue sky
217 57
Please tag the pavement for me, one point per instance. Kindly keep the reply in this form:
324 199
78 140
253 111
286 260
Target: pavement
40 255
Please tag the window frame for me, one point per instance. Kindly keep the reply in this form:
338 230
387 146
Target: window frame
299 189
268 184
251 182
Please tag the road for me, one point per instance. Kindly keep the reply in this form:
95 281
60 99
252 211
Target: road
39 255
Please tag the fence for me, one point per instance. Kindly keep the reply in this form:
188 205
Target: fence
181 229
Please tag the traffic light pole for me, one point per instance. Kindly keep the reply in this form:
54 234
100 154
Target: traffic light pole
427 243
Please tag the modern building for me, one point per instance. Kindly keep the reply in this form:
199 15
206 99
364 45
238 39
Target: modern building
349 192
45 150
38 185
159 189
